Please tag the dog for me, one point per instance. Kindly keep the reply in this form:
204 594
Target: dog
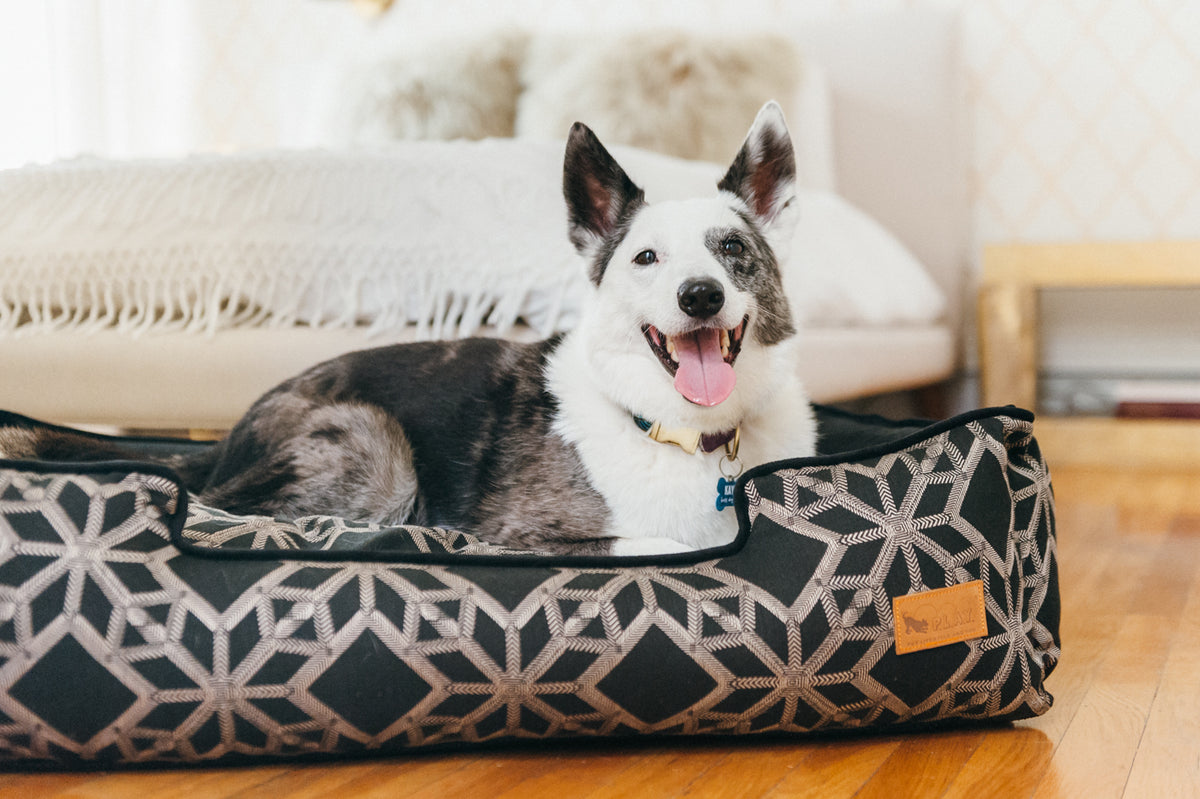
620 437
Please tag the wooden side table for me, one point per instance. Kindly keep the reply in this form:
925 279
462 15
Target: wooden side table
1013 274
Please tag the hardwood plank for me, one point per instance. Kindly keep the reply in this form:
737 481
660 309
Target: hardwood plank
168 784
1097 752
212 783
1140 501
20 786
574 773
1071 680
664 773
835 770
749 772
494 773
1103 575
301 782
1168 757
1006 763
372 778
923 765
1148 572
1173 574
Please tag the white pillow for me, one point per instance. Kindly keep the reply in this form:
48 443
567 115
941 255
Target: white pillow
847 270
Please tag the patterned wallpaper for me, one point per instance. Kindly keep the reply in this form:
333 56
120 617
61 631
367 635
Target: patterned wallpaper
1086 117
1086 114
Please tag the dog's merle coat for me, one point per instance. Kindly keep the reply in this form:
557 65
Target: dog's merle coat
362 437
519 443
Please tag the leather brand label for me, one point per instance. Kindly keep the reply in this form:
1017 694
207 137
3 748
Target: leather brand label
936 618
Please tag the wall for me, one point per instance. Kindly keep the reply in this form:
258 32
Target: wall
1086 114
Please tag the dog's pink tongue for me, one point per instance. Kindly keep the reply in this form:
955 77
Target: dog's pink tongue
703 376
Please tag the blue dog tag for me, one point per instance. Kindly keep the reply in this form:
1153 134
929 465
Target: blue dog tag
725 493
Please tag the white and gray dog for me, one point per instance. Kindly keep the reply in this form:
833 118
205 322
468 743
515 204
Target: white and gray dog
619 437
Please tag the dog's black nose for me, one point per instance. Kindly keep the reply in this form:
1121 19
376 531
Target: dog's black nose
702 297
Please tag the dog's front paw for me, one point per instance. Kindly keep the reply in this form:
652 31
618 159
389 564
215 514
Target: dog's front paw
625 547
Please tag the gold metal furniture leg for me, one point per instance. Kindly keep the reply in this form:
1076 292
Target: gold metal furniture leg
1008 344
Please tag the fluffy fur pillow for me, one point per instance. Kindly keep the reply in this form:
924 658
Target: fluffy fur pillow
445 88
682 93
686 94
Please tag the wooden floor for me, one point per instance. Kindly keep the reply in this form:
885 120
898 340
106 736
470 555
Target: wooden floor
1126 720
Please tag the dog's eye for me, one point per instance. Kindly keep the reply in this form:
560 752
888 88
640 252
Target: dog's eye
645 258
733 247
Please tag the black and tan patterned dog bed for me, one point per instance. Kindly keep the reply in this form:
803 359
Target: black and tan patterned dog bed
138 627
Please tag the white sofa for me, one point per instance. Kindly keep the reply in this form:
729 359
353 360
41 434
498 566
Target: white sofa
170 294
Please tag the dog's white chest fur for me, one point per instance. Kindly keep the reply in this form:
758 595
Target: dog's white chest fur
660 497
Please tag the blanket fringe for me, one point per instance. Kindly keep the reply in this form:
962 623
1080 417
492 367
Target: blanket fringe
448 237
136 299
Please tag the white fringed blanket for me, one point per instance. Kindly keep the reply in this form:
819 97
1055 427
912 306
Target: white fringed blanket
284 238
446 236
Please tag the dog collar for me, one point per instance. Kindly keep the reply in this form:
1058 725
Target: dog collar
686 438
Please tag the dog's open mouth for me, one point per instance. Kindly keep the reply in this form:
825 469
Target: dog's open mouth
700 361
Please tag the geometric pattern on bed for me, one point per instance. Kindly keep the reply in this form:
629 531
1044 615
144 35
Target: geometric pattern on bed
116 646
214 529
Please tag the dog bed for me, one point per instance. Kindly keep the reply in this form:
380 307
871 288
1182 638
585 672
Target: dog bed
905 576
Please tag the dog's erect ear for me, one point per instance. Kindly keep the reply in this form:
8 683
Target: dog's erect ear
763 173
598 192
